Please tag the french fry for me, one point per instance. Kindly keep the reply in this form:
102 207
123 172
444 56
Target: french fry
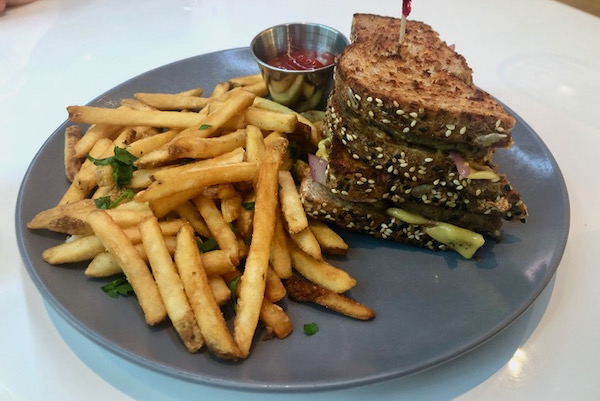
170 286
146 145
92 135
245 80
195 281
173 172
279 256
255 144
243 224
258 88
167 227
198 179
219 289
71 161
314 134
215 262
134 267
307 241
320 272
291 205
75 211
190 212
274 289
254 276
331 243
230 207
268 120
203 148
220 89
275 319
123 117
168 101
85 179
304 291
217 226
238 101
76 250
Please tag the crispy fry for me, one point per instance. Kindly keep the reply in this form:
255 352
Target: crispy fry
85 179
74 211
217 226
314 134
274 290
307 241
92 135
245 80
167 227
203 148
190 212
195 281
238 101
76 250
275 319
173 172
123 117
170 285
268 120
199 179
305 291
134 267
254 276
168 101
71 161
320 272
330 242
219 289
279 256
291 205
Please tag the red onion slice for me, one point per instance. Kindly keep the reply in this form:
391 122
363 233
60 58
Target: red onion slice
461 165
318 168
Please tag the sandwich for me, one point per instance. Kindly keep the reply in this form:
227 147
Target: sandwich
409 144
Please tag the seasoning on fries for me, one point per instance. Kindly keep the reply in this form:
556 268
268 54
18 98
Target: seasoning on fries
193 199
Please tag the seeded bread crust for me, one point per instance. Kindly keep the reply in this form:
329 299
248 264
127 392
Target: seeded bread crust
357 181
420 89
320 204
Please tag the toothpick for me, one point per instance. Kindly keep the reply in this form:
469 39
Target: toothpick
405 13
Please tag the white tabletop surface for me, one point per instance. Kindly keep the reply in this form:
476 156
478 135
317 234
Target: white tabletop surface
538 56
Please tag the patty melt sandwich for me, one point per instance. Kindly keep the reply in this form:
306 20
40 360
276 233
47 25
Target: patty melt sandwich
409 142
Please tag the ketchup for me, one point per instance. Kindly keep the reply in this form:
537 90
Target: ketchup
300 60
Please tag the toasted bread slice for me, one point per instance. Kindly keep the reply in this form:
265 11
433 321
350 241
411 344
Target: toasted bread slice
420 89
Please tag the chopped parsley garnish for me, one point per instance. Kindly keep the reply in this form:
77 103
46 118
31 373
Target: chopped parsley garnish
310 328
119 286
233 288
121 163
208 245
248 205
204 126
104 202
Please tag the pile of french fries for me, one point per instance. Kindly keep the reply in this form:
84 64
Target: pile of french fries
205 168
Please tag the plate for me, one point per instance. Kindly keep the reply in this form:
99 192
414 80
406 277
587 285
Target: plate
431 307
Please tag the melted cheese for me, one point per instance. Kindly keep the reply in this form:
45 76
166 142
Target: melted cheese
461 240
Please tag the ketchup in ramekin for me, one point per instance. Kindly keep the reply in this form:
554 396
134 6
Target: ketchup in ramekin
301 60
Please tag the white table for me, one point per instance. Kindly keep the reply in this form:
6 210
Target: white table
538 56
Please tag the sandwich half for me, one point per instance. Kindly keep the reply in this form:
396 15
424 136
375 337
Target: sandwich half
411 139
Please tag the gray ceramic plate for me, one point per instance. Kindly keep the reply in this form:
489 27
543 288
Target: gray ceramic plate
431 307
